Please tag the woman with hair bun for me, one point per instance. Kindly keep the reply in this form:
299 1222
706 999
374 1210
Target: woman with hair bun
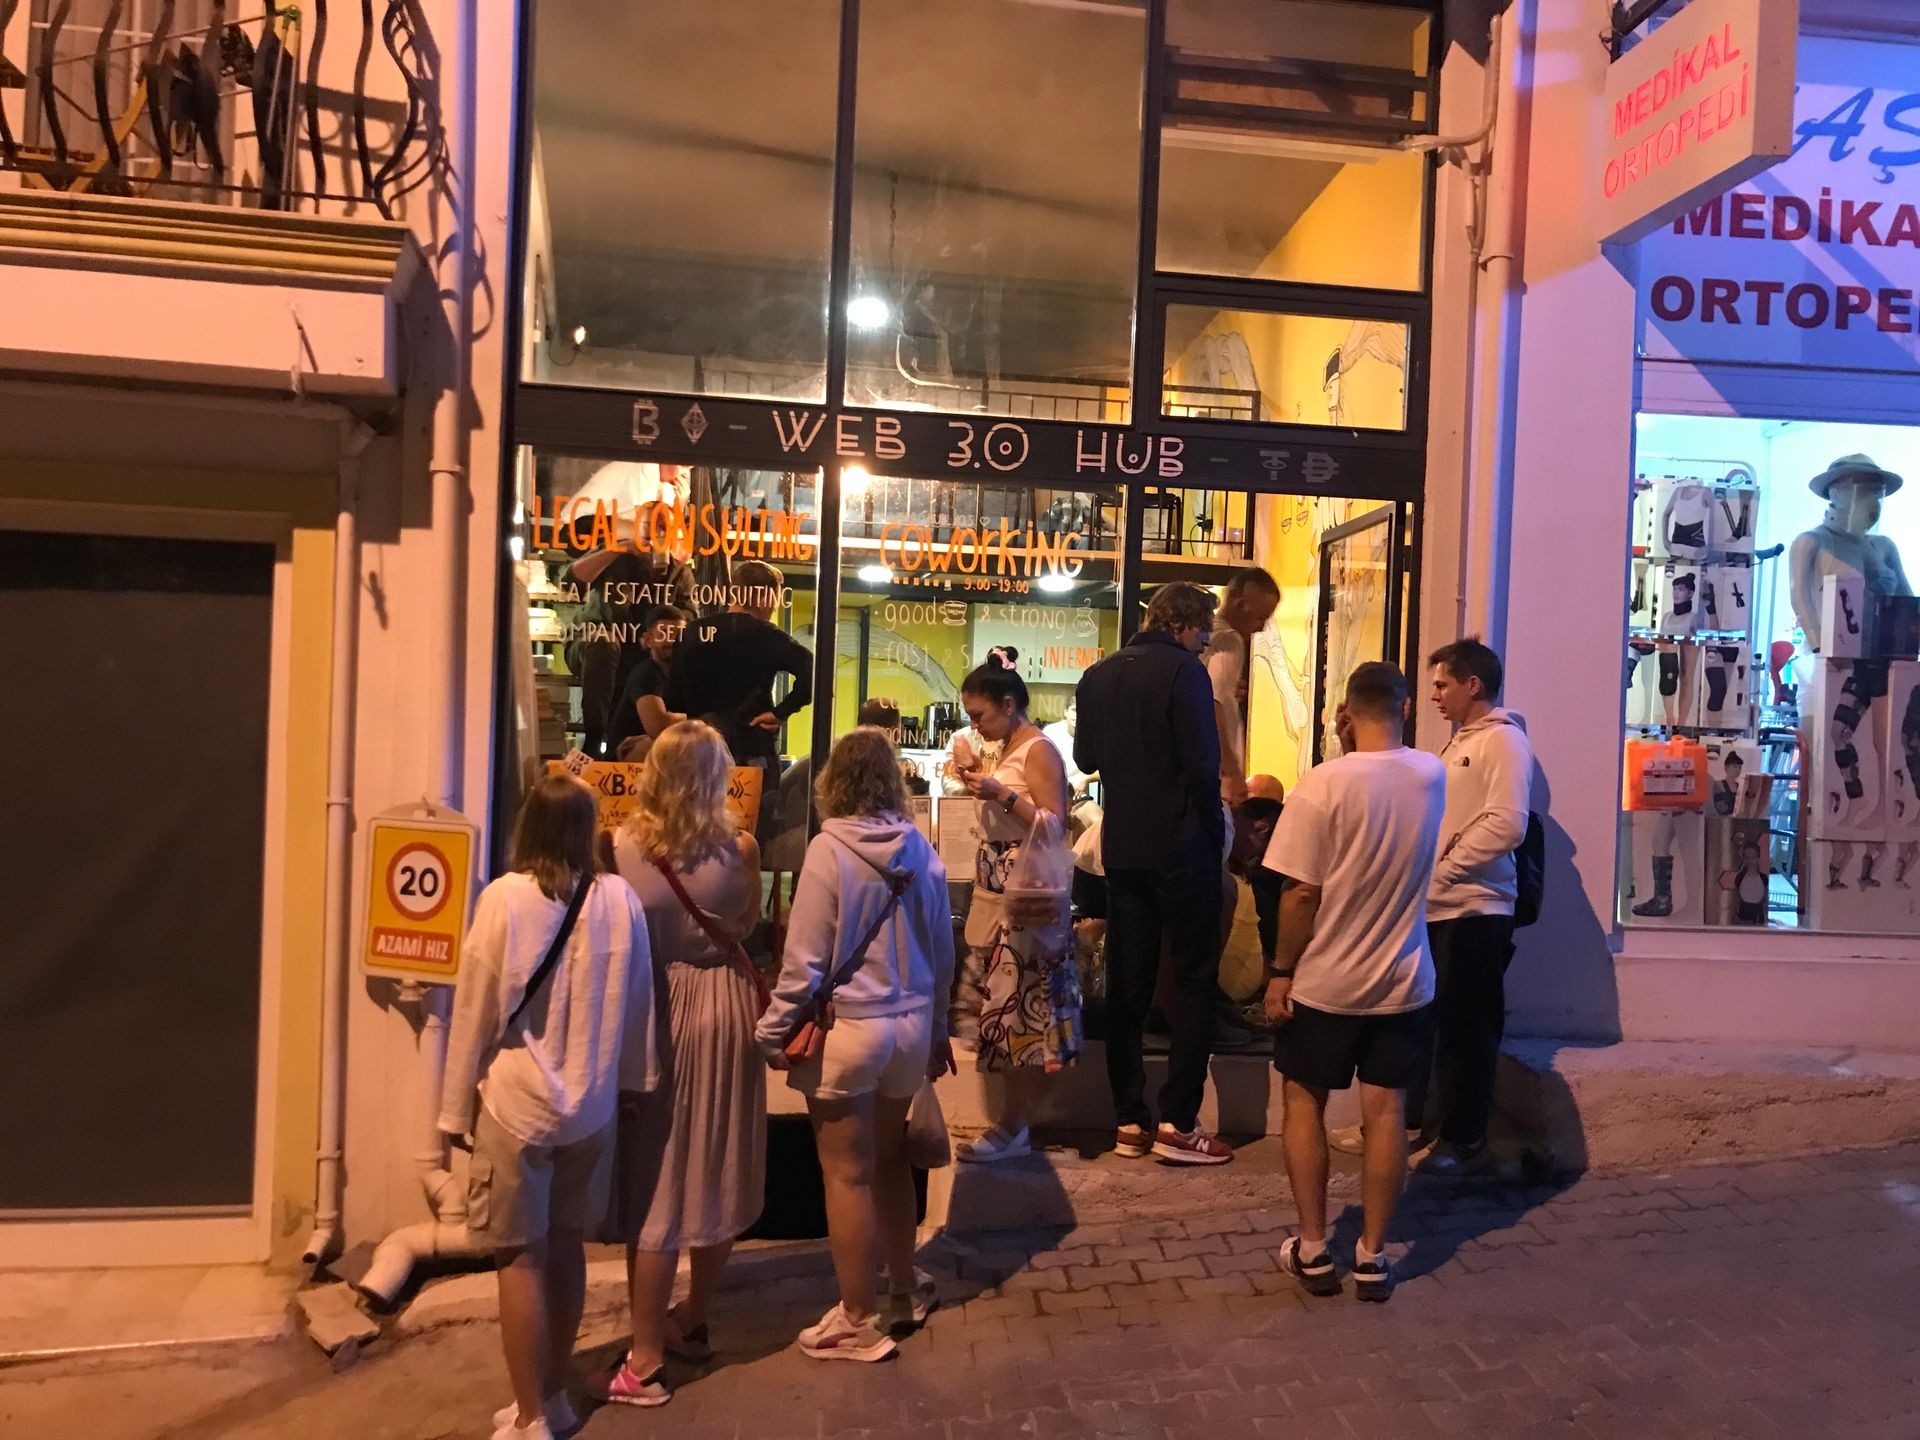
1021 992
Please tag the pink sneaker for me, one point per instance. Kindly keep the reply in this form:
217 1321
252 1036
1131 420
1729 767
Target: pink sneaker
620 1386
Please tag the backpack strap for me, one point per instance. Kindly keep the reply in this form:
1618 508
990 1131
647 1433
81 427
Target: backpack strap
552 957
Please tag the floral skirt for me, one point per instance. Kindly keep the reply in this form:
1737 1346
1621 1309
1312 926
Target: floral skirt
1030 1016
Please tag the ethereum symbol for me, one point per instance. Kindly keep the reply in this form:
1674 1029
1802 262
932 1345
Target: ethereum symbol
694 422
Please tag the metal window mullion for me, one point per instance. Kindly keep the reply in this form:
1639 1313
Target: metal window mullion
1147 311
840 264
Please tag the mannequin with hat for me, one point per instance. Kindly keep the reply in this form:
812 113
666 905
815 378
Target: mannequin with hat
1844 543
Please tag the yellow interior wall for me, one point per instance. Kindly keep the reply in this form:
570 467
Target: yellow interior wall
308 504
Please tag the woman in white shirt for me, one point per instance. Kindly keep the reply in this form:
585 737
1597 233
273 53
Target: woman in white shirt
552 1019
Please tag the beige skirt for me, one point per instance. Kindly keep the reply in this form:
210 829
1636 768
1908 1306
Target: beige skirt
692 1167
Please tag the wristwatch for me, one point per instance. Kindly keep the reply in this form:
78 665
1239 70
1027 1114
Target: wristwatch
1011 801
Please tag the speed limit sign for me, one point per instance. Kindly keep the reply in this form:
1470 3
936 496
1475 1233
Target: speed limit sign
417 874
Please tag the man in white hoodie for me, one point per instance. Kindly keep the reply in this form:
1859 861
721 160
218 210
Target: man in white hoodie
1470 903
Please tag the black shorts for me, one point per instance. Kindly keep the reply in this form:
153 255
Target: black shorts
1324 1051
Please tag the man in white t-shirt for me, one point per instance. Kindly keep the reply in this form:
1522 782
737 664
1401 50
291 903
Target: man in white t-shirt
1252 596
1352 977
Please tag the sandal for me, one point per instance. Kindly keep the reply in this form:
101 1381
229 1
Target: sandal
997 1144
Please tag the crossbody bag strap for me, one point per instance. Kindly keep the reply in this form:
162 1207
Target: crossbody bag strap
552 957
733 949
896 887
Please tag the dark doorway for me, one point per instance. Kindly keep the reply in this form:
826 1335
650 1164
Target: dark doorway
134 724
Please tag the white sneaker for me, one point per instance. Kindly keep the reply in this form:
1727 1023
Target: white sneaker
560 1415
1352 1140
507 1430
905 1310
839 1337
996 1145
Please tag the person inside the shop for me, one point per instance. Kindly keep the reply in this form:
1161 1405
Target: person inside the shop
871 937
692 1157
1020 988
553 1030
1146 727
641 716
620 588
725 668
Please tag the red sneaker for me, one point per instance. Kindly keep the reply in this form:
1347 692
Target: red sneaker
1190 1147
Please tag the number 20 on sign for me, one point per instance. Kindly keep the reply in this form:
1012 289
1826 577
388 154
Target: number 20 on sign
417 873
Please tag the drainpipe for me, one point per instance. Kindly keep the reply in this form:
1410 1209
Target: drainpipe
343 690
444 1236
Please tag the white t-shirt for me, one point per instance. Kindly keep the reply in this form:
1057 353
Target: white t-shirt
1364 829
1226 661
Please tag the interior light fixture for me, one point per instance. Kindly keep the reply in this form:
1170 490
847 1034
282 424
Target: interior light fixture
1054 584
868 312
853 479
876 574
579 335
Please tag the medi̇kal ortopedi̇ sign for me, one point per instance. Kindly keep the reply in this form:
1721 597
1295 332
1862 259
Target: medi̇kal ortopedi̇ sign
417 895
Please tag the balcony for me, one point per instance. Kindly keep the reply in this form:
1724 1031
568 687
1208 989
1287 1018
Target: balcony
215 194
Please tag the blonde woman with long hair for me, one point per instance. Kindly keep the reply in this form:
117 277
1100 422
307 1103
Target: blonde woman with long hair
693 1166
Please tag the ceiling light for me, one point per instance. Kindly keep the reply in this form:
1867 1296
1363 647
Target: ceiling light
876 574
579 335
854 479
868 312
1054 584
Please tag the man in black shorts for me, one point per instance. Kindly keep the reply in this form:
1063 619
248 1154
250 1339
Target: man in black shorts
1352 980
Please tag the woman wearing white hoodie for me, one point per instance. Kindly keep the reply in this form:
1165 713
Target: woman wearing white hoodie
872 930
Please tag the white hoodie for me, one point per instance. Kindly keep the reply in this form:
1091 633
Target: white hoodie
1489 791
843 886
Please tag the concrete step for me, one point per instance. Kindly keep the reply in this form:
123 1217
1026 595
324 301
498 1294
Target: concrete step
1636 1104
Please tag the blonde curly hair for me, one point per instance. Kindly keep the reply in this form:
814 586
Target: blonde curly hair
680 806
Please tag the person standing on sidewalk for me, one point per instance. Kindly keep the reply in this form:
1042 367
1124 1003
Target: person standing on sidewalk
1352 981
1146 725
1470 903
1252 597
553 1023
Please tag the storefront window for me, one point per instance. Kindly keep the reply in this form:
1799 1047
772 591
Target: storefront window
679 199
1271 365
601 547
1277 156
936 574
1773 689
995 208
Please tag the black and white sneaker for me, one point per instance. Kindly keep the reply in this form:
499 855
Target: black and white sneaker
1373 1279
1316 1276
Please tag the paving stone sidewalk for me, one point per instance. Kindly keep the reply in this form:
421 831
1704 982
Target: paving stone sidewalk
1769 1300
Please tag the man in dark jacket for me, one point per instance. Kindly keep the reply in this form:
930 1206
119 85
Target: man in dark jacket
1146 724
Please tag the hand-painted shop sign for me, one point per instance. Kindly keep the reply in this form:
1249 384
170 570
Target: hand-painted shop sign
1703 102
1818 262
984 448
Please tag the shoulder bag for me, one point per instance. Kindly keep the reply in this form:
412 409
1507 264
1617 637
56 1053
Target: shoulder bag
809 1037
552 957
732 949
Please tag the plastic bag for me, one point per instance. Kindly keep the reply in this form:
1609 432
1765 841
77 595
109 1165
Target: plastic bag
928 1147
1040 879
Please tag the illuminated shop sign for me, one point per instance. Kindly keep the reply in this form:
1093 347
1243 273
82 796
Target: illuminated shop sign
703 430
1818 262
1703 102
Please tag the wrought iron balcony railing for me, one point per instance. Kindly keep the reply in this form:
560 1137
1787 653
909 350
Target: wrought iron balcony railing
189 100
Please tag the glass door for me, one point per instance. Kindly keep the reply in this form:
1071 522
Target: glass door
1360 612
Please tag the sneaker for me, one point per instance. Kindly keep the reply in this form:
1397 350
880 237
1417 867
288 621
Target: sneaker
996 1145
1456 1161
1190 1147
620 1386
1228 1033
690 1343
1132 1142
507 1430
839 1337
559 1416
1373 1279
1316 1276
907 1310
1352 1140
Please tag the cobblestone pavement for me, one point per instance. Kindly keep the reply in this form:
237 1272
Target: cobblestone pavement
1769 1300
